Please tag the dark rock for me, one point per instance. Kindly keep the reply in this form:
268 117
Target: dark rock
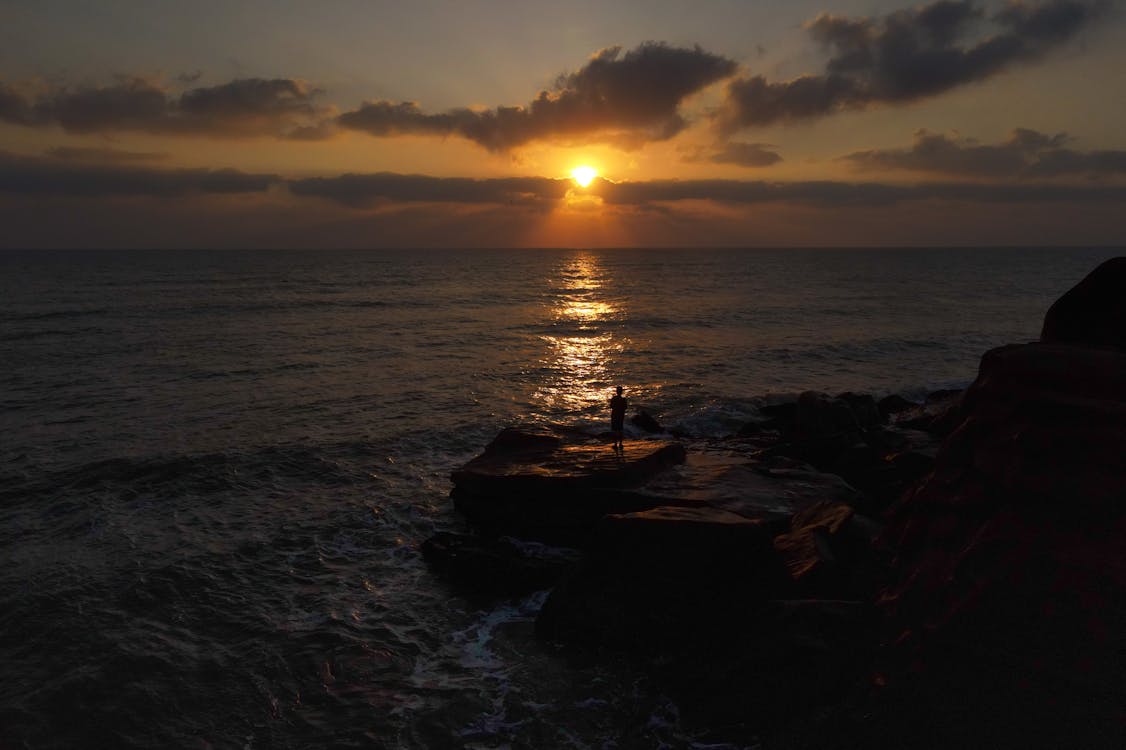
752 428
555 488
857 464
495 566
881 473
656 580
791 657
513 441
893 404
943 396
884 440
864 409
825 427
645 421
829 553
521 463
820 416
1012 550
773 488
939 414
780 416
1093 312
552 517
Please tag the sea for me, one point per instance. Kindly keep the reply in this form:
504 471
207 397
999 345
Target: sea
217 468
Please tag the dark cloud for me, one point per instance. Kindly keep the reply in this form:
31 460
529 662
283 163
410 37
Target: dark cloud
103 155
828 193
1025 153
67 177
256 104
906 55
634 96
737 153
15 107
366 189
276 220
279 107
39 176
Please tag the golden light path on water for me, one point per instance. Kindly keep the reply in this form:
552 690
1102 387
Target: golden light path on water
581 356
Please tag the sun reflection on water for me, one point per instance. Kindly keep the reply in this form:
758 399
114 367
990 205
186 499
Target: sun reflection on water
583 344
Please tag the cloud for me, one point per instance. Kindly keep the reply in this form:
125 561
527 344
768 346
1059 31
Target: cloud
361 190
103 155
633 97
53 176
25 175
906 55
737 153
832 193
276 219
278 107
366 190
1025 153
15 108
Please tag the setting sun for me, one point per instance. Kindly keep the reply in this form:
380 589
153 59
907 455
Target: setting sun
584 175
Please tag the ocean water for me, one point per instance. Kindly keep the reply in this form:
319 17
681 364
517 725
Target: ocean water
216 468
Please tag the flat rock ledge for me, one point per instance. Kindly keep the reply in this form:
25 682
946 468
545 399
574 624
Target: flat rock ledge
555 486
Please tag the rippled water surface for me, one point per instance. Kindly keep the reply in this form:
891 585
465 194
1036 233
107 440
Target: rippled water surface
216 468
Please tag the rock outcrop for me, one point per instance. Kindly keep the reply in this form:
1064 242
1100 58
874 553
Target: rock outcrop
655 581
996 583
1010 556
486 566
556 486
1093 312
647 422
829 552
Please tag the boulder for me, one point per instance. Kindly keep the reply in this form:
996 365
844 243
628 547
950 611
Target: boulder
882 474
1011 553
892 405
555 487
790 658
646 422
514 441
780 415
657 580
1093 312
819 416
939 414
828 553
502 566
864 409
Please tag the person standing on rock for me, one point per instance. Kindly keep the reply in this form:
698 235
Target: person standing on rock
618 416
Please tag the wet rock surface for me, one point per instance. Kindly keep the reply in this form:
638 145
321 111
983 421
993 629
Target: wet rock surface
556 486
663 576
504 566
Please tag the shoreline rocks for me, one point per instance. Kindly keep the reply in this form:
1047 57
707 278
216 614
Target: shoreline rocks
959 582
555 486
663 576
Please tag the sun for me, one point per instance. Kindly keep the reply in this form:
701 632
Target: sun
584 175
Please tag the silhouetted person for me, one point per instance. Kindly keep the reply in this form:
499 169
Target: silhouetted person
618 416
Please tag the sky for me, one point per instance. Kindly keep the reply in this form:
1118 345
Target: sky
373 124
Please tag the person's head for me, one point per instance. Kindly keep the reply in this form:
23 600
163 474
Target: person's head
619 390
